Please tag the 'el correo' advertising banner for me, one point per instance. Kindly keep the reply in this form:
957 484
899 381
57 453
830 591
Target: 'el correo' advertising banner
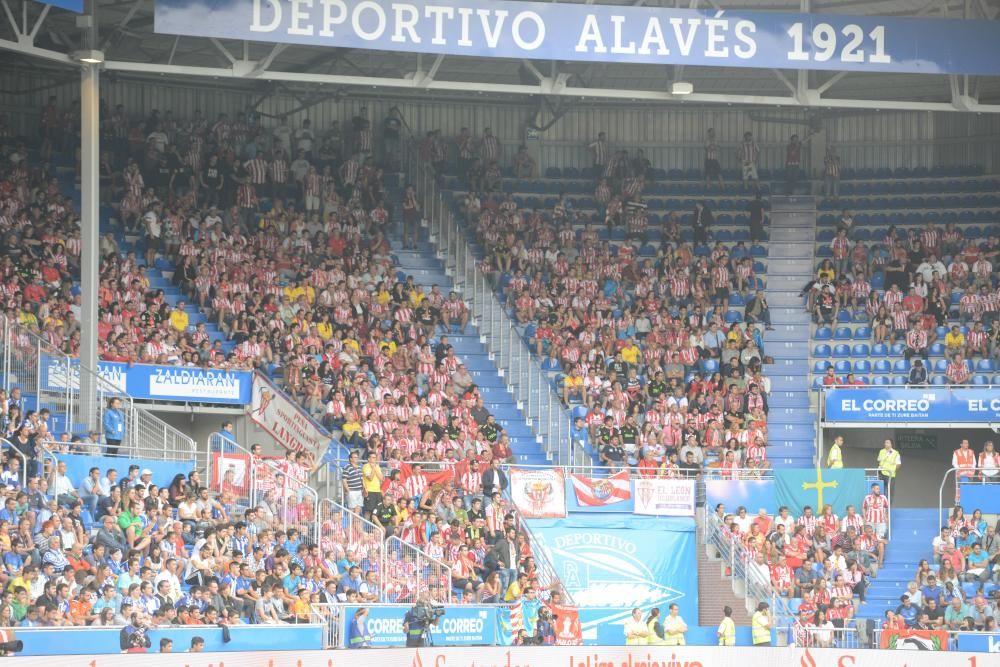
923 404
599 33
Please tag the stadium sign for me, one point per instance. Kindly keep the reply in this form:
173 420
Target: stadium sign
557 31
924 404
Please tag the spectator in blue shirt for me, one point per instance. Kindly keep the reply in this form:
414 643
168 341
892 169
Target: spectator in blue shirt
114 426
931 590
907 611
977 566
224 440
713 340
580 434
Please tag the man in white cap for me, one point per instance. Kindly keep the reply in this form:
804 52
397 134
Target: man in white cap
145 481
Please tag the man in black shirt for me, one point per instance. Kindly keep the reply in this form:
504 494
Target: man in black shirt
442 349
689 467
384 515
477 511
657 387
618 365
490 430
613 454
630 439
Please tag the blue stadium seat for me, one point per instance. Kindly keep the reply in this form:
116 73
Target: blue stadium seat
880 350
842 366
940 366
860 350
896 350
862 366
980 379
823 333
881 380
939 380
821 350
821 366
937 350
709 365
985 366
882 366
862 333
841 351
843 333
843 316
898 380
901 366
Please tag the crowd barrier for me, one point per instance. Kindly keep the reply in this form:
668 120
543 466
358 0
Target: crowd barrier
573 656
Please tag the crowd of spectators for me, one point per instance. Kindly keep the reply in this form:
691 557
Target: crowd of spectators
935 286
824 561
294 269
952 593
642 344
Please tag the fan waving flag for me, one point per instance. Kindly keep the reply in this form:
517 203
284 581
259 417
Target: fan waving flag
604 491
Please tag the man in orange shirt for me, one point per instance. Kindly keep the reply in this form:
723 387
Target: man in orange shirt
964 461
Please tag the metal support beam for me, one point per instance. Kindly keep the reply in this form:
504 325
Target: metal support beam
90 151
10 17
829 83
262 65
474 87
530 66
173 50
38 22
784 79
432 72
223 50
136 6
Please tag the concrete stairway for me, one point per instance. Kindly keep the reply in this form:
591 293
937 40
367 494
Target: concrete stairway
715 589
791 421
427 270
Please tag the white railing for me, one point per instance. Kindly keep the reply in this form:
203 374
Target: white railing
248 481
411 571
51 379
330 616
812 637
523 374
343 531
745 580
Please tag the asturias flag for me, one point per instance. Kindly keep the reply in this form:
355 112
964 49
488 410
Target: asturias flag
603 491
817 487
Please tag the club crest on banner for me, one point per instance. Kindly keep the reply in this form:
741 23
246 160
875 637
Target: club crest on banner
538 494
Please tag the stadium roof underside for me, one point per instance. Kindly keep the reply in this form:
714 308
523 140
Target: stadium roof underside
45 37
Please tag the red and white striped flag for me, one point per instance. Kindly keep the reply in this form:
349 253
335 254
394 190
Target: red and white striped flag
603 491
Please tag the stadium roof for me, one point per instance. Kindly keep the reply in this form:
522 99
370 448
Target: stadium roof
131 47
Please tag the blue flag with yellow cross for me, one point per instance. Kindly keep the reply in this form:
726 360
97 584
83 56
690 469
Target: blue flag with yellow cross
817 487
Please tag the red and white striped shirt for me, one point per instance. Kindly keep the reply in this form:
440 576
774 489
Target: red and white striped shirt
875 508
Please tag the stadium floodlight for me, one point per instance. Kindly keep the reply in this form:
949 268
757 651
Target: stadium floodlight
88 56
681 88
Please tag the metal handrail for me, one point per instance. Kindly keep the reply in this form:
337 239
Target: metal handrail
542 406
144 431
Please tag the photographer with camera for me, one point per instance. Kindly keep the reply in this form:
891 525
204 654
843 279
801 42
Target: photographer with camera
419 619
545 629
132 638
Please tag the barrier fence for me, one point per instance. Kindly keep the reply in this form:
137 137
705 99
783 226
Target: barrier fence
813 637
245 480
542 406
346 533
77 397
409 572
